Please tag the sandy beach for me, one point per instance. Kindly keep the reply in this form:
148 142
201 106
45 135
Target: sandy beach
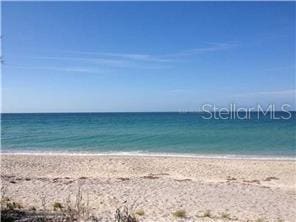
206 189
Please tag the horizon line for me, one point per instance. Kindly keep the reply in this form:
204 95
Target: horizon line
85 112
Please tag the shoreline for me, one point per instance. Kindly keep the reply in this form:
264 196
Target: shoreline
155 154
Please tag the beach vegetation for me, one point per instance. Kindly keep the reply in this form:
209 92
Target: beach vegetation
6 203
225 215
32 208
207 213
10 206
124 215
180 213
140 212
4 200
57 206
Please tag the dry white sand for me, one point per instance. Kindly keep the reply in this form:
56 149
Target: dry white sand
247 190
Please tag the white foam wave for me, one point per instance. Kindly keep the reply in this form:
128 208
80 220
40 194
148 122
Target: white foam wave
151 154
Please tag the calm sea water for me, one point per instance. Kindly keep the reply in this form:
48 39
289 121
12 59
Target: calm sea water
177 133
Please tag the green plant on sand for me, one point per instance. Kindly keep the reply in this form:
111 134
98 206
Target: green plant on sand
57 206
180 213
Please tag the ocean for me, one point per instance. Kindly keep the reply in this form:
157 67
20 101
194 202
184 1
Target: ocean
148 134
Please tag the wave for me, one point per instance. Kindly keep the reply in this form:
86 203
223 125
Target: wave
151 154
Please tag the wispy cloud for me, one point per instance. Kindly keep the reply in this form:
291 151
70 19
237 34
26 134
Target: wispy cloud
169 57
277 93
62 69
115 60
209 48
123 56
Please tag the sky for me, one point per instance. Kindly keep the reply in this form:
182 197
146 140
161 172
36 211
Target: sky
146 56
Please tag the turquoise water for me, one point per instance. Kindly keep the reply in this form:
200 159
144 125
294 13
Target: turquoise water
177 133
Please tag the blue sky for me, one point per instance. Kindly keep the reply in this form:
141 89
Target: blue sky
136 56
